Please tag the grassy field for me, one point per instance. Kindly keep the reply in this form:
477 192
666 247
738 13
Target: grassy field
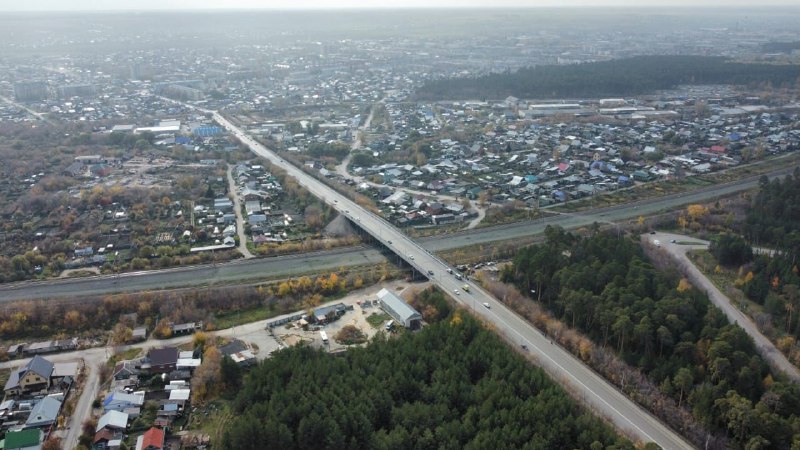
211 419
232 319
377 319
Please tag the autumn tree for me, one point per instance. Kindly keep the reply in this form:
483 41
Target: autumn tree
207 378
162 329
199 341
52 443
121 334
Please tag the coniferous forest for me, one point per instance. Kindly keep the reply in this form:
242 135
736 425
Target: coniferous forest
773 280
605 286
621 77
453 385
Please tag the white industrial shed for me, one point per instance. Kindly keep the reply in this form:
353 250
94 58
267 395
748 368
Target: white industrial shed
400 311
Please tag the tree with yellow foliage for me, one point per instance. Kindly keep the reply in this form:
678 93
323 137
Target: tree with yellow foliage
696 212
200 340
206 382
162 330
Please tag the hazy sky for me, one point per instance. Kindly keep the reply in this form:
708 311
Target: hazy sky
61 5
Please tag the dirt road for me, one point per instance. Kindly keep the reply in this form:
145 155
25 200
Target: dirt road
237 207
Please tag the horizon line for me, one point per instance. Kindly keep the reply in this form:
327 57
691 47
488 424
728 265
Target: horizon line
409 8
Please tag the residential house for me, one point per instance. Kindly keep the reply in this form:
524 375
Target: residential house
125 370
237 351
249 194
187 362
44 414
152 439
223 204
180 396
106 439
113 420
253 207
33 376
121 401
162 360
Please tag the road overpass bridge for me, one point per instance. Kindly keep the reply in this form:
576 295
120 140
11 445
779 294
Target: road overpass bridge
562 365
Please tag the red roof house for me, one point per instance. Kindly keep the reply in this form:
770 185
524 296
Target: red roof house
152 439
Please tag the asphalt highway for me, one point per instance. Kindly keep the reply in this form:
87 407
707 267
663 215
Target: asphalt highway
197 276
565 368
595 391
252 269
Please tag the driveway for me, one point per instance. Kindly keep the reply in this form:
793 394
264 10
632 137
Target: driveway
678 252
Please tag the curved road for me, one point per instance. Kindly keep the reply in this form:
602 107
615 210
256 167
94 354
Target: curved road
764 346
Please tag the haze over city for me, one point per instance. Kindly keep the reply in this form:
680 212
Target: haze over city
399 224
111 5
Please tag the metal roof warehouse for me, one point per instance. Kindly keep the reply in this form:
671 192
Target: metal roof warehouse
400 311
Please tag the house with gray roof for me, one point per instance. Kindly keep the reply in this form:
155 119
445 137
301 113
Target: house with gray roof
33 376
113 420
121 401
44 414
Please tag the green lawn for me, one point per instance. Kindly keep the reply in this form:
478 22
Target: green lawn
377 319
232 319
